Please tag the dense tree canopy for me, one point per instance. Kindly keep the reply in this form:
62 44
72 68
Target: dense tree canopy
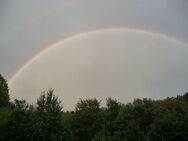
141 120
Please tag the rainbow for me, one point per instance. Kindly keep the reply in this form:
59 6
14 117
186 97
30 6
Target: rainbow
87 33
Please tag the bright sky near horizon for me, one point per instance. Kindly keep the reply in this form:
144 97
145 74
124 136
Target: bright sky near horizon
102 63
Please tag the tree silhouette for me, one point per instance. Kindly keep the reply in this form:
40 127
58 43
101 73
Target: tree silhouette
141 120
4 92
47 124
48 102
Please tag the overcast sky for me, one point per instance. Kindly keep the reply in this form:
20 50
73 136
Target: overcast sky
27 26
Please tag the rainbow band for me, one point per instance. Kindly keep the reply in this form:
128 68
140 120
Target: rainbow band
87 33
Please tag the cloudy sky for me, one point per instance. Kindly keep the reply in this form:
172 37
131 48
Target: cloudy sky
106 59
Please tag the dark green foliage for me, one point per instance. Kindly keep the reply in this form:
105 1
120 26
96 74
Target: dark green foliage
170 120
16 126
47 119
141 120
86 120
110 126
4 92
49 103
29 123
186 96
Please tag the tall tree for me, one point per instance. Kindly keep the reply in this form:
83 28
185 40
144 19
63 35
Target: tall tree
4 92
48 102
112 112
47 124
86 121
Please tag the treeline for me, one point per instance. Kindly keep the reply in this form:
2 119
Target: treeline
141 120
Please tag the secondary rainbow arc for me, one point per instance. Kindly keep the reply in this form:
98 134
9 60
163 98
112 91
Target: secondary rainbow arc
87 33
